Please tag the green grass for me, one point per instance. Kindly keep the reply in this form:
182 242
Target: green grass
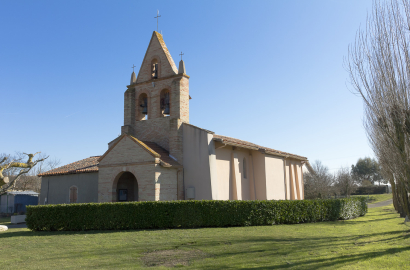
379 240
5 221
375 198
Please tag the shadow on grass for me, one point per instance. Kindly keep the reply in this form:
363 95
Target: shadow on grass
277 252
333 262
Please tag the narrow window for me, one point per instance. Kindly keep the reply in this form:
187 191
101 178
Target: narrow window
244 169
73 194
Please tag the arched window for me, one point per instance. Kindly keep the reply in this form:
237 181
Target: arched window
73 194
165 107
143 107
245 173
154 69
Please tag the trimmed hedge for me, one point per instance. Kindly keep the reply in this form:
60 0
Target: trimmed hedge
188 214
371 190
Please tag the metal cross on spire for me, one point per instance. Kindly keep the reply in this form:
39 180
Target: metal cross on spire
181 54
133 66
157 18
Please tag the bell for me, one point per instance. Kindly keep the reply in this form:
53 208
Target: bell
144 109
166 110
144 106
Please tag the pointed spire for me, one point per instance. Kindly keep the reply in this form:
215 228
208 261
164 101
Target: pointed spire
181 69
133 78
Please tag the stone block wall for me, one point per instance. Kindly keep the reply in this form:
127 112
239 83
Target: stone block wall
155 183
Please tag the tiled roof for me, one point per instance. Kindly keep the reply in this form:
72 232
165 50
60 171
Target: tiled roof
91 164
249 145
163 153
25 192
82 166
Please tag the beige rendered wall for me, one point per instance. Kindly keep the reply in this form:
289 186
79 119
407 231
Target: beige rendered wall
259 173
294 180
232 183
242 154
223 168
288 180
275 185
298 168
196 161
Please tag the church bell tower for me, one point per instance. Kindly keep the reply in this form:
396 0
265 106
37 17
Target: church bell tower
156 102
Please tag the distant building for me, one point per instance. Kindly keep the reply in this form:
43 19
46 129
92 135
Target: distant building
16 201
160 156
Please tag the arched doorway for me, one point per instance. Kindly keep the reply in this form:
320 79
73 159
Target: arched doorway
126 187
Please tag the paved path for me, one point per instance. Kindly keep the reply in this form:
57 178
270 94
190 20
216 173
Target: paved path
379 204
20 225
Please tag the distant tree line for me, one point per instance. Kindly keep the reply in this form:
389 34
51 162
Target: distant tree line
320 183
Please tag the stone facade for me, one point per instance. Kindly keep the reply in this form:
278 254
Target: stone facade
154 181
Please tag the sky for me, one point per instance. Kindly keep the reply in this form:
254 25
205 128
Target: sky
268 72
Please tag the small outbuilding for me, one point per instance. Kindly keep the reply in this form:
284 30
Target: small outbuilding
16 201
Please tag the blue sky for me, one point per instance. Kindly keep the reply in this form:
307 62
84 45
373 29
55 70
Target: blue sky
269 72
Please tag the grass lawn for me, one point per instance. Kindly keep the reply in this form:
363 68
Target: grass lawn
375 198
379 240
5 221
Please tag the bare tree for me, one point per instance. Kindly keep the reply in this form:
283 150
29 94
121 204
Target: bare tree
345 183
6 163
379 69
318 183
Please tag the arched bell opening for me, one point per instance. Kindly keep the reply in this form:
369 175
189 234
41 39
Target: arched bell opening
165 103
154 68
143 107
126 187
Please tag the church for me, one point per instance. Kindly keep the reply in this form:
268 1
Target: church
160 156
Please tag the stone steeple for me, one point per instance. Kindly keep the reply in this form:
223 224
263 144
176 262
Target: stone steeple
181 69
133 78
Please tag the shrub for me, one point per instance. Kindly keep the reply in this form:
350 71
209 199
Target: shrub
188 214
364 190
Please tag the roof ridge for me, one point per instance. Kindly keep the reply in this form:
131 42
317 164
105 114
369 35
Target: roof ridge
243 143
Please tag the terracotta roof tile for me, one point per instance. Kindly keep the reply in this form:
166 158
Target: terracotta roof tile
91 164
249 145
163 153
82 166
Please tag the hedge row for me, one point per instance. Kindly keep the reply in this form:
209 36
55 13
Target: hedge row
188 214
371 190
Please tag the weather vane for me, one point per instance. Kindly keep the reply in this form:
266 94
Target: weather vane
157 18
